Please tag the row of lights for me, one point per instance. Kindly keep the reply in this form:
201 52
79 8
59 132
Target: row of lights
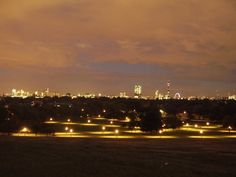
103 128
26 130
161 131
89 121
70 130
196 125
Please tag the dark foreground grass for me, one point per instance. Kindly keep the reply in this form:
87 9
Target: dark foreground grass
74 157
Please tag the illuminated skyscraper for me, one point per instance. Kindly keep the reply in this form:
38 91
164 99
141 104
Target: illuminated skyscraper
13 93
46 92
156 94
123 95
137 91
20 93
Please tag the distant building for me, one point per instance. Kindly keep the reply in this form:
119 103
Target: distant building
13 93
46 92
123 95
20 93
137 91
156 96
232 97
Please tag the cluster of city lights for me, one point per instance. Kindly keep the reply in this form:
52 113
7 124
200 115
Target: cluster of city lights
137 94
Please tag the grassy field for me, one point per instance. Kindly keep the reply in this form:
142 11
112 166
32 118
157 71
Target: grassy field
72 157
94 129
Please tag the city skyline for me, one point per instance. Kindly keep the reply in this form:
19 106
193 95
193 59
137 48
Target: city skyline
150 92
136 94
109 46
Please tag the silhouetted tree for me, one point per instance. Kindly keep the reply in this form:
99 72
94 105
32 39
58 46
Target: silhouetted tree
150 119
171 121
230 121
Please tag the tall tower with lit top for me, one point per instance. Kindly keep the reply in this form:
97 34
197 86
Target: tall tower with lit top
168 90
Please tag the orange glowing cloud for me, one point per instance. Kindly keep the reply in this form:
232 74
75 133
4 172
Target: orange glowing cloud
190 39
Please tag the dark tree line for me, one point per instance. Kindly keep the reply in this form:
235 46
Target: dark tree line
33 112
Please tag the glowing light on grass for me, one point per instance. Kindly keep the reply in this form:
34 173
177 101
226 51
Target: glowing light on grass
133 132
207 123
161 111
187 124
71 130
127 119
111 122
68 120
24 130
160 132
116 131
103 128
66 128
230 128
112 125
196 125
201 132
51 119
89 121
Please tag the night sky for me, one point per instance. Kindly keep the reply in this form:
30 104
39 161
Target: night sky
107 46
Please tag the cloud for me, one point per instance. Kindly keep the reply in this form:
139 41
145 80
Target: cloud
189 39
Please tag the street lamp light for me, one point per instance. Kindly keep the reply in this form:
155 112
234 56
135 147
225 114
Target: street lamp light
116 132
195 125
207 123
111 122
201 133
89 121
230 128
25 130
103 128
160 132
68 120
161 111
51 119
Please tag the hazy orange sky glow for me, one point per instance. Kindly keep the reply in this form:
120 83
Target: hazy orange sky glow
107 46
